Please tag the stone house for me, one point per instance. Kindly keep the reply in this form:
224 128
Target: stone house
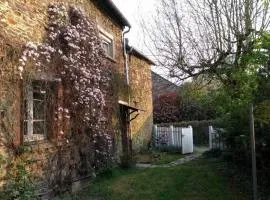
26 120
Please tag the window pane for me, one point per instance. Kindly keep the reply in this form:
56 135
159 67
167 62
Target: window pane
107 45
39 89
25 110
37 85
38 95
39 127
111 50
39 109
25 130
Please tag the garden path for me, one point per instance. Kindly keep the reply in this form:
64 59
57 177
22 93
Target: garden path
197 153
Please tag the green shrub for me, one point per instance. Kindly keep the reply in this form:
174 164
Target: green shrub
106 173
19 185
126 162
214 153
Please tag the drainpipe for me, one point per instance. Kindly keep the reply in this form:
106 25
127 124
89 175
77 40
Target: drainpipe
127 80
125 54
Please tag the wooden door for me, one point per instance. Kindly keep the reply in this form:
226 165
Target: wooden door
124 128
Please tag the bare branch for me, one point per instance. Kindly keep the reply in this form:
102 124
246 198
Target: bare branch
193 37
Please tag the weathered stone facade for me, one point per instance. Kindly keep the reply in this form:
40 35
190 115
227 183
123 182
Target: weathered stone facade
141 97
26 21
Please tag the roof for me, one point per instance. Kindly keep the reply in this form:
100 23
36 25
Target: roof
164 79
162 86
139 54
110 8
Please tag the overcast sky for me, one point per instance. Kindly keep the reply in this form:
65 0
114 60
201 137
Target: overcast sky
133 10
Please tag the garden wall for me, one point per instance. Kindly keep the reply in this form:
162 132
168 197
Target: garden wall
57 165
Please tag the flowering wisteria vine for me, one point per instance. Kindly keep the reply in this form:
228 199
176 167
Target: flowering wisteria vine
72 51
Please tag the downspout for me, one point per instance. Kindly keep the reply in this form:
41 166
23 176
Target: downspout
127 81
125 54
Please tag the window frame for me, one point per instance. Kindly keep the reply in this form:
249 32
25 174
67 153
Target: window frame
28 118
108 38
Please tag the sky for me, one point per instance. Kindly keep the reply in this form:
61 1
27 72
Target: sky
133 10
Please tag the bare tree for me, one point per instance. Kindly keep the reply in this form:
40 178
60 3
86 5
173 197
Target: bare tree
193 37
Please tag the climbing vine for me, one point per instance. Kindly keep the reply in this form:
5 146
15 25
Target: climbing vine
72 50
78 81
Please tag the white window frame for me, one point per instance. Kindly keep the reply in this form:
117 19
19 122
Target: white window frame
29 135
107 37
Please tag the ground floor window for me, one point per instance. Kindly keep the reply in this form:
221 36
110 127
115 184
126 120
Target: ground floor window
35 111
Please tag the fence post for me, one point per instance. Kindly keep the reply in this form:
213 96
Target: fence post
210 128
172 138
192 143
253 153
181 138
155 136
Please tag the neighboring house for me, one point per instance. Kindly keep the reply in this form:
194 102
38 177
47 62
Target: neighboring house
162 86
165 100
23 113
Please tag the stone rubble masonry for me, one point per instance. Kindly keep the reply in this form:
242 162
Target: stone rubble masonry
141 97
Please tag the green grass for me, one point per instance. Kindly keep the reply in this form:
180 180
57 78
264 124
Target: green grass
158 157
167 157
197 180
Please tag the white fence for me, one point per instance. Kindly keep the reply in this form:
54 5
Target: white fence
174 137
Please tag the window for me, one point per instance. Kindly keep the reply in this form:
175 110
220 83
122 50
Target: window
35 111
107 43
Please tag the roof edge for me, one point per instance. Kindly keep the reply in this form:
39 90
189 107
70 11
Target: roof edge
164 78
112 9
139 54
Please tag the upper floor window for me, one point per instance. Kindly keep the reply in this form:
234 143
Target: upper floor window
35 111
107 42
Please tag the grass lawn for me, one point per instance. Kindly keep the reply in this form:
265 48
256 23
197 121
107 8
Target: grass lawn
158 158
197 180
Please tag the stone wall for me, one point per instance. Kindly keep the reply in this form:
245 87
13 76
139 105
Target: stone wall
141 97
22 22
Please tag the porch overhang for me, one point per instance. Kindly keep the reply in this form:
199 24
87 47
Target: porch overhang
131 108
